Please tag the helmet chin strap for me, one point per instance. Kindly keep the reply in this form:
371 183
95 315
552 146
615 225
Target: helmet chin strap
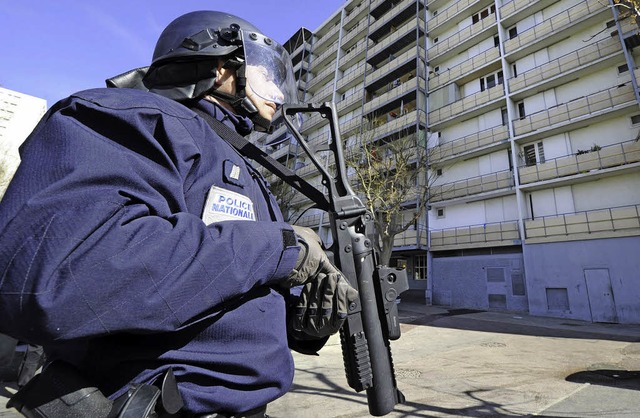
241 104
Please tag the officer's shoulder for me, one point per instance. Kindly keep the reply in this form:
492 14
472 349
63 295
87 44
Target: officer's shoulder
130 99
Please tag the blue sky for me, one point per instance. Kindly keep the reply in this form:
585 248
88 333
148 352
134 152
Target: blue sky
52 48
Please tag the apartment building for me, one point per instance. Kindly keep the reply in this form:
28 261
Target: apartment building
530 112
19 114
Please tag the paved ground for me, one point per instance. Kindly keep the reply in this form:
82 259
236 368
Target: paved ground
462 363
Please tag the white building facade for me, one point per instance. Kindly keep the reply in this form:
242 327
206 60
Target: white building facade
530 108
19 114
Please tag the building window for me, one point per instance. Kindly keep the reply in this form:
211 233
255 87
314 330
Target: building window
420 267
521 112
483 14
435 40
533 154
514 70
440 212
635 120
505 116
623 69
496 41
438 172
513 32
491 81
611 24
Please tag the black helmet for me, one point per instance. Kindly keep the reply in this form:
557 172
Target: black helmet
186 57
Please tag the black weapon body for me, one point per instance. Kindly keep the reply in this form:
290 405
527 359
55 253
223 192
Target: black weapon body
372 321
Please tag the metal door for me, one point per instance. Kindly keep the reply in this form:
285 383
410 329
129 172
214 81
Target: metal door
600 293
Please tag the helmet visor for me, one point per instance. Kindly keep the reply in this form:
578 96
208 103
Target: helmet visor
268 69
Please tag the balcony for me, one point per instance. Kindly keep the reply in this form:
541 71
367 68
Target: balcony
578 112
446 17
314 122
327 56
402 91
404 36
323 76
352 78
394 69
351 55
567 66
403 123
325 94
411 238
323 43
461 40
469 145
552 29
350 102
513 11
349 127
284 150
469 106
395 17
500 181
592 224
354 35
590 162
486 235
467 70
356 13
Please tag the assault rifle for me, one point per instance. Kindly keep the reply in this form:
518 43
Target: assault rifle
373 320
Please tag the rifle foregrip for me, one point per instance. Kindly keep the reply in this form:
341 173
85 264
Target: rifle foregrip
357 364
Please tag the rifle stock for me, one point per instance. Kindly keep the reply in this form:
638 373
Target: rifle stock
373 320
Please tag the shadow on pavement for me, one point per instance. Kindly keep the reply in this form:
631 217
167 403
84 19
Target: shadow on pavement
464 319
623 379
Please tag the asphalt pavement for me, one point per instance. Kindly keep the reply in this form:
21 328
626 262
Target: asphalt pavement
467 363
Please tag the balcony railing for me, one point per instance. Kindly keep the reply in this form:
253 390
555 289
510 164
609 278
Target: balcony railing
407 28
389 16
467 104
458 39
600 223
352 78
606 157
350 101
565 63
358 52
511 7
357 31
448 13
329 54
411 238
471 186
398 124
469 143
323 76
390 66
465 68
562 20
408 85
576 109
321 44
490 234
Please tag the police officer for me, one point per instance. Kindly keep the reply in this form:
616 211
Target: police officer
140 248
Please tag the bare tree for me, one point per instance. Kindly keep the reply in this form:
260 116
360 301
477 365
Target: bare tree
629 8
392 177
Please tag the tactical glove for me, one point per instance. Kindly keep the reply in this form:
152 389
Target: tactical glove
323 305
312 259
325 297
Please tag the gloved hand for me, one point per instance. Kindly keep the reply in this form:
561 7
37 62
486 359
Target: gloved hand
323 305
326 295
312 259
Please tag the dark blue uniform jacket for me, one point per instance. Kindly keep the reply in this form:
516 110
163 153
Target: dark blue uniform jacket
106 261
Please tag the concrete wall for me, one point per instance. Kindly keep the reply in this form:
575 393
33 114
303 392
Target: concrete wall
566 279
474 282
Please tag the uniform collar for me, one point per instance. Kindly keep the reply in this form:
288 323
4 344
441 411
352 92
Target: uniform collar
242 125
